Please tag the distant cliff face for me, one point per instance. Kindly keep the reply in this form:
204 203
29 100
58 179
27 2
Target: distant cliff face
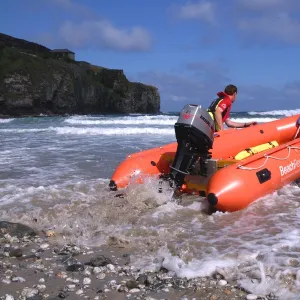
33 81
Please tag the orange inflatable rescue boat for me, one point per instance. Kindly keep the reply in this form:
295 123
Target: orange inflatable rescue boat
231 168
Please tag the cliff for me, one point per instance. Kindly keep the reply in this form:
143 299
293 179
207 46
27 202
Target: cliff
34 80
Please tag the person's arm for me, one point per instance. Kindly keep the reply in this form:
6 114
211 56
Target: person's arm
230 123
218 116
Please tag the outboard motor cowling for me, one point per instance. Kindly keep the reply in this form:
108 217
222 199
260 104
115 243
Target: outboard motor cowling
194 131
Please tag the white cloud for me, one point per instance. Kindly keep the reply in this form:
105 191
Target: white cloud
104 34
178 98
280 26
207 66
203 10
68 4
181 87
269 21
293 89
73 7
267 5
174 85
178 89
88 29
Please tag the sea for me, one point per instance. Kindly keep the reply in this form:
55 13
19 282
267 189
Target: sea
55 171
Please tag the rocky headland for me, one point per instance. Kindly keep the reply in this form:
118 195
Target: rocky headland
36 80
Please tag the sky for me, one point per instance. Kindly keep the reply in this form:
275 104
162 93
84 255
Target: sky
189 50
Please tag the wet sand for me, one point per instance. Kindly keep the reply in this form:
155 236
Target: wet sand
35 267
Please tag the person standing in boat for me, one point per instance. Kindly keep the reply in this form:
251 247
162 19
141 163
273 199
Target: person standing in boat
220 108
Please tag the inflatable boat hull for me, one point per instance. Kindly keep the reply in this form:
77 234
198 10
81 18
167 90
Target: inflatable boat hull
237 182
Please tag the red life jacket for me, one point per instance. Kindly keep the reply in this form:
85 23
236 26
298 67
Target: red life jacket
222 96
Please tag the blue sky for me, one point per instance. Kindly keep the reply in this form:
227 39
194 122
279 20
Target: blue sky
190 50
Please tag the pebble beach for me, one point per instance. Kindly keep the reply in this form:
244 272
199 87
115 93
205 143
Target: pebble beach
33 267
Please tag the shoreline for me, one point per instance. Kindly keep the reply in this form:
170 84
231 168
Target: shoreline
34 267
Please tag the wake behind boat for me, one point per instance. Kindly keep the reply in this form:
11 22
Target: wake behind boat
231 168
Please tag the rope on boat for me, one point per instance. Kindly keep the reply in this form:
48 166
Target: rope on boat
267 157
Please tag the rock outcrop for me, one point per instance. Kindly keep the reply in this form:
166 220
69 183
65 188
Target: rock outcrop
34 81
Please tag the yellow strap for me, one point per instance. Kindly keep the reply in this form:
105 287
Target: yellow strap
217 128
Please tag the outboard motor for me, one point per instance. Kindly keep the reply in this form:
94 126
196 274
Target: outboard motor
194 131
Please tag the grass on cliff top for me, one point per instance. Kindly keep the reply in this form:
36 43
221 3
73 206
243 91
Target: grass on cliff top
39 65
42 68
14 60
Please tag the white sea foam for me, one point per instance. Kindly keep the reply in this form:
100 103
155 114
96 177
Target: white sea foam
162 120
95 130
130 117
165 122
53 177
286 113
132 121
113 131
6 120
257 119
22 130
